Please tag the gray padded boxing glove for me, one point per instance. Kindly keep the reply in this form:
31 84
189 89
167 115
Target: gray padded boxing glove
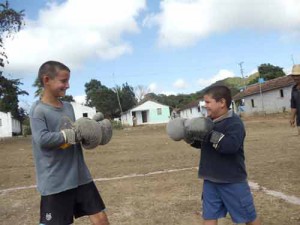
89 131
175 129
98 116
106 128
197 129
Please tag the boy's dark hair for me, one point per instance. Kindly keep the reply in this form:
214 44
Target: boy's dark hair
219 92
50 68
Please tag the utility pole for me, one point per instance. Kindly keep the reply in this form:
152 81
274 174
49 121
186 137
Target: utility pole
242 73
118 97
292 58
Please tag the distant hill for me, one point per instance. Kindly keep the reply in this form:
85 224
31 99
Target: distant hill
181 100
234 83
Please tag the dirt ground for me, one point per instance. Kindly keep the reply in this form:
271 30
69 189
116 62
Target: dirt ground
147 179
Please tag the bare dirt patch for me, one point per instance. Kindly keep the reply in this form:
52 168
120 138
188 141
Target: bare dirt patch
166 198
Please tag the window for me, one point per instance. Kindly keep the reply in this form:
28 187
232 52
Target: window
199 110
0 122
252 103
158 111
84 114
281 93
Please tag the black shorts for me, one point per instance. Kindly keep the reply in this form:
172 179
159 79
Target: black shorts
61 208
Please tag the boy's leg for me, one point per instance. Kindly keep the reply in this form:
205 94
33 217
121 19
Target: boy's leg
212 204
238 200
99 219
210 222
57 208
89 203
255 222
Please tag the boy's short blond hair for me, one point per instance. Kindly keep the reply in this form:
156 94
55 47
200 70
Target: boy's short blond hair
50 68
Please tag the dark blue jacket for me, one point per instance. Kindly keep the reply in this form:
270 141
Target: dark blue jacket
295 102
226 164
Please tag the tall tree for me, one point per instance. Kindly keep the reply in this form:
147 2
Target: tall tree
104 99
39 88
127 97
11 22
140 92
9 91
268 72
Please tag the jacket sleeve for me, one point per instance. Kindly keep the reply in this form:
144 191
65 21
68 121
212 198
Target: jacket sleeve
233 139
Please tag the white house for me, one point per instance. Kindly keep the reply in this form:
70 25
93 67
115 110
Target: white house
8 125
272 96
193 109
83 111
148 112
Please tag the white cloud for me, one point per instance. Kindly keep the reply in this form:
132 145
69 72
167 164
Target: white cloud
152 87
183 22
74 32
180 84
222 74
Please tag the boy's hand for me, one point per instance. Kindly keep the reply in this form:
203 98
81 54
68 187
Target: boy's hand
215 138
292 122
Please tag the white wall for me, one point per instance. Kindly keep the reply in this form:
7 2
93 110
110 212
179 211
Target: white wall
269 102
126 118
81 109
194 111
8 125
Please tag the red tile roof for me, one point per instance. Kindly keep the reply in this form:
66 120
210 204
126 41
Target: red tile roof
269 85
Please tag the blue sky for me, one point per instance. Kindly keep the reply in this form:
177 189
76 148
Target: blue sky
169 47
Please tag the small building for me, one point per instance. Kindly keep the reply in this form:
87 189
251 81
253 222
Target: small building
272 96
83 111
8 125
148 112
193 109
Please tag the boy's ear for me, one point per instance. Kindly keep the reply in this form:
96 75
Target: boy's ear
46 79
223 101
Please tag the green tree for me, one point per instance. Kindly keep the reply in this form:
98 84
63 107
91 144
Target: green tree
39 88
11 22
127 97
104 99
268 72
9 91
68 98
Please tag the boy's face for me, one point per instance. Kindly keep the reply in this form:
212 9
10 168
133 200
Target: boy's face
214 108
58 85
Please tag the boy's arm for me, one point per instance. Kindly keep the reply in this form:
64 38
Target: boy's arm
42 136
293 116
229 142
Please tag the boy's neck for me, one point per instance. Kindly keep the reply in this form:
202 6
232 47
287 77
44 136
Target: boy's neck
51 100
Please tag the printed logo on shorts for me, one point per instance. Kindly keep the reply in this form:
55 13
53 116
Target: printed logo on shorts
48 216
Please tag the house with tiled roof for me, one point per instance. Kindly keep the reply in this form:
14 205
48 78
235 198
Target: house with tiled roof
272 96
193 109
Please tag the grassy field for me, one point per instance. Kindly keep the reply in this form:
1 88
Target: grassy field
145 178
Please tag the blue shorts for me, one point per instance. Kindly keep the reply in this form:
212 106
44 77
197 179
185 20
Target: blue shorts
235 198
